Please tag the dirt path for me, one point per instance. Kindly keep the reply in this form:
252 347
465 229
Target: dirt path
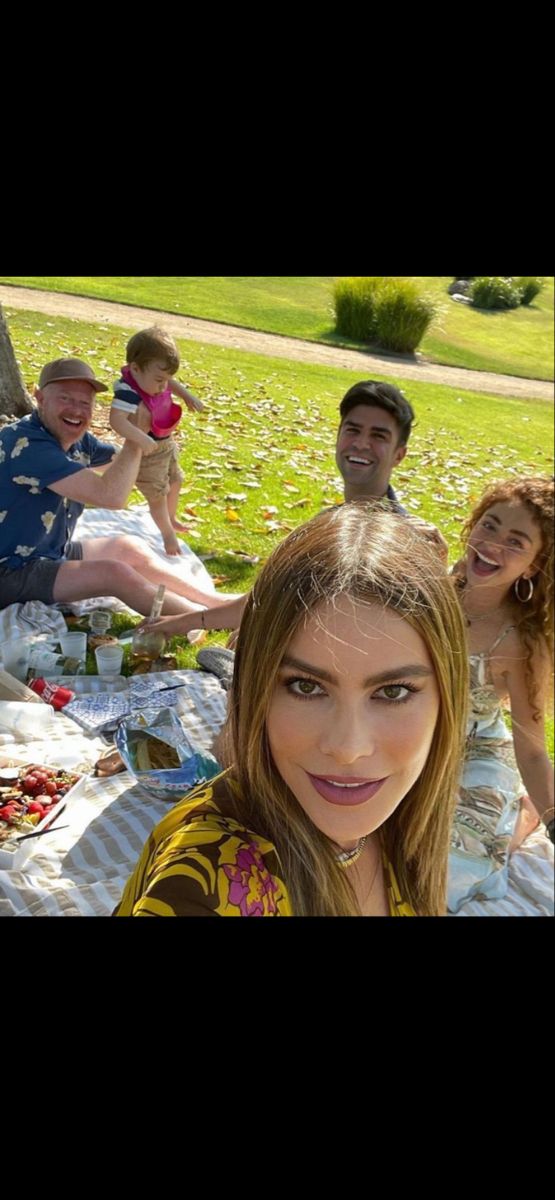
273 345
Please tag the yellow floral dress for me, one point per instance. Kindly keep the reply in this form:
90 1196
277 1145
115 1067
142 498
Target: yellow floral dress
199 863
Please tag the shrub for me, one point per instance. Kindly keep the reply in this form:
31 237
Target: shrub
355 307
402 315
529 287
389 312
494 291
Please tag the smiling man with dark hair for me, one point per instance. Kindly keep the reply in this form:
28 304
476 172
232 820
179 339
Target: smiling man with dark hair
375 427
376 423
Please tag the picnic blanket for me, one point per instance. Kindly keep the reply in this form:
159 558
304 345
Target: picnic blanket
20 620
137 521
81 870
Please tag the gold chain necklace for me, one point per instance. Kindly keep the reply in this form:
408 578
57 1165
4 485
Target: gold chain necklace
346 858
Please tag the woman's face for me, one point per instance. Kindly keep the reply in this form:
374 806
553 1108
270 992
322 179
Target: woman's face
352 716
503 545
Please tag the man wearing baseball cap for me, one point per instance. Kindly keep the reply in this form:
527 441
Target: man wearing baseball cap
47 475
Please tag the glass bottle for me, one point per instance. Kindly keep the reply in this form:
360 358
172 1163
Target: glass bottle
150 643
43 660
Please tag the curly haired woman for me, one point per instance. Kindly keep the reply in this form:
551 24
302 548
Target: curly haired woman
505 586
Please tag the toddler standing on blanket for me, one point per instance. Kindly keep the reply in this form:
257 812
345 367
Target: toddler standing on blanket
152 360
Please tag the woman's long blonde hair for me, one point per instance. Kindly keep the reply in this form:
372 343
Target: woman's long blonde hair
374 556
534 619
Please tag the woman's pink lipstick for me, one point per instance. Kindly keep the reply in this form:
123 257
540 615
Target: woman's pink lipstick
345 790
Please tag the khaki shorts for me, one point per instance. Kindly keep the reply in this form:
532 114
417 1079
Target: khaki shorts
36 580
159 470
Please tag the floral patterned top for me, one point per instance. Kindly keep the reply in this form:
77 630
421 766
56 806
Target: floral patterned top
199 863
489 794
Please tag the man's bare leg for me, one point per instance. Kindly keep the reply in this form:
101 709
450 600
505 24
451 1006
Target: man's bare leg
83 580
131 551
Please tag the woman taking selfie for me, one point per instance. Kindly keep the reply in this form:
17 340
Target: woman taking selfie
345 734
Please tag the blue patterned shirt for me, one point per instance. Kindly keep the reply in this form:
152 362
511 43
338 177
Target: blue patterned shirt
34 521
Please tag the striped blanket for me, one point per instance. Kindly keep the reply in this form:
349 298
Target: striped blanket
82 869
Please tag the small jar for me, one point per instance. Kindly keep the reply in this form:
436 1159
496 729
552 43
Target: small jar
100 621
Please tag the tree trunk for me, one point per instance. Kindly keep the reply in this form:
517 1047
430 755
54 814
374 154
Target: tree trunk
14 400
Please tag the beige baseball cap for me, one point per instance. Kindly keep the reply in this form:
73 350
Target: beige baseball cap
69 368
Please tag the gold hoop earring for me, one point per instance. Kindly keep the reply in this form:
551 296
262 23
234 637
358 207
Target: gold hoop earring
524 599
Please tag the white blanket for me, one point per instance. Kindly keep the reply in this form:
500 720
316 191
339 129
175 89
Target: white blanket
17 620
106 522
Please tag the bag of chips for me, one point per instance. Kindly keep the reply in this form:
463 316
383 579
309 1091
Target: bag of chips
160 755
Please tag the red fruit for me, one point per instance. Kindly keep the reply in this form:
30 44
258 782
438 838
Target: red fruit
35 807
50 787
40 776
29 783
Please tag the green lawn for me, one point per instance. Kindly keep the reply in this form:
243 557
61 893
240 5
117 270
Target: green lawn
515 342
271 423
518 342
260 458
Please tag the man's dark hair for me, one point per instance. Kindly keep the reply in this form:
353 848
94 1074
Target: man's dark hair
380 395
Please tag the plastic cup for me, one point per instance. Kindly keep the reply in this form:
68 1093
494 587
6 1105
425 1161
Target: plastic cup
74 645
15 658
109 659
